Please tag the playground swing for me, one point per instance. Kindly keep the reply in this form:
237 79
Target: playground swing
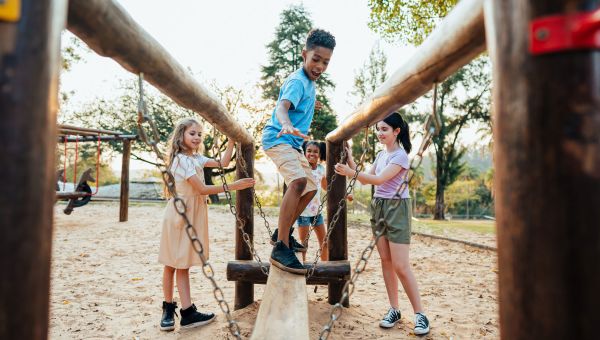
82 192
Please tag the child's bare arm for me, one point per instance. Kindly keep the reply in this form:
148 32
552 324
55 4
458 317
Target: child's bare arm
284 119
370 178
225 159
204 189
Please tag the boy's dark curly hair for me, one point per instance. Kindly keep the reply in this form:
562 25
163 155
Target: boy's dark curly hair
318 37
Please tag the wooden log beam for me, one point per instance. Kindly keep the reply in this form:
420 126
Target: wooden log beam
80 139
458 39
29 67
338 240
111 32
325 272
547 181
244 203
73 128
124 195
70 195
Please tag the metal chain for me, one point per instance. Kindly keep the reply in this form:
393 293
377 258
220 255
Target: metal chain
343 202
181 208
432 127
365 146
242 163
239 222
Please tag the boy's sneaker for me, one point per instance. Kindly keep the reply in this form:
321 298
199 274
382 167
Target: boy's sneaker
167 322
390 319
191 318
295 245
421 324
284 258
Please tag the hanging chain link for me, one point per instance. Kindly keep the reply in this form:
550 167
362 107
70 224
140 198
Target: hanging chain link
432 128
152 140
239 222
242 163
343 202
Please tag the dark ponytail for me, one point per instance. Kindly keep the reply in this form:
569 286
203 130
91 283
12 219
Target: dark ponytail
395 121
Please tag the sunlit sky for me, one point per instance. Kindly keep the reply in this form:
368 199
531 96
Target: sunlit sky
226 41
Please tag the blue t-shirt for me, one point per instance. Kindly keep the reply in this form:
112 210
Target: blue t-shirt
299 90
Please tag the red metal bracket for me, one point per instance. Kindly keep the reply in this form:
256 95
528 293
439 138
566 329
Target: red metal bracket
557 33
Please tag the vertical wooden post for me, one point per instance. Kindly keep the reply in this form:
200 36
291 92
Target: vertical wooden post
547 180
29 67
338 241
244 203
124 197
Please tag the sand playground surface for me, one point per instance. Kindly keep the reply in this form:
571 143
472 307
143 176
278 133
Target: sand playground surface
106 281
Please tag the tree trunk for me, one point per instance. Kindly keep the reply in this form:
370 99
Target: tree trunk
439 201
440 185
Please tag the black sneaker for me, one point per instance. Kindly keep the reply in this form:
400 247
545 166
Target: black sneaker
167 322
284 258
191 318
295 245
390 319
421 324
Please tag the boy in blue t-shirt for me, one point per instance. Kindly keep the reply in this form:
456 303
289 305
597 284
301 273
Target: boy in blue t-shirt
282 141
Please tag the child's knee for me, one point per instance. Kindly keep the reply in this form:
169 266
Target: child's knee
403 269
298 185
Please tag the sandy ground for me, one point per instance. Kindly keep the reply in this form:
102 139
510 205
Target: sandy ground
106 282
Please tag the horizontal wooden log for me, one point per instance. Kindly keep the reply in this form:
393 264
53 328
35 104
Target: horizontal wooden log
95 138
458 39
62 127
70 195
111 32
325 272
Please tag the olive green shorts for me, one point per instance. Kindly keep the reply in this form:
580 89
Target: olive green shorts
398 215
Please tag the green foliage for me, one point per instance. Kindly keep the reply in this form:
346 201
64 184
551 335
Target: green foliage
285 57
368 78
407 21
463 98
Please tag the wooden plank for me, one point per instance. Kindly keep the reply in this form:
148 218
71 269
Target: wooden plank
283 312
325 272
70 195
80 139
458 39
111 32
29 68
338 241
124 194
82 129
244 203
547 177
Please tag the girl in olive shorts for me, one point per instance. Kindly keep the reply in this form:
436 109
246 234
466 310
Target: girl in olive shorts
388 172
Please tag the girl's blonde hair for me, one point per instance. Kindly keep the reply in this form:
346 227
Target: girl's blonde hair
175 145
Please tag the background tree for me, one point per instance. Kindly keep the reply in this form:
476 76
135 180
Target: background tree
120 114
285 57
407 21
368 78
463 98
